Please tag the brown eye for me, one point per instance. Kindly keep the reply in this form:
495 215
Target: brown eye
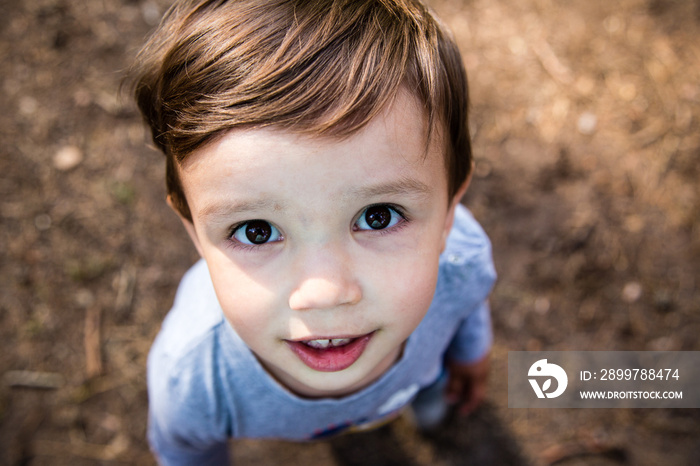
378 217
256 232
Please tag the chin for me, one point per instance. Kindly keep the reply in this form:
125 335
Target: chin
333 384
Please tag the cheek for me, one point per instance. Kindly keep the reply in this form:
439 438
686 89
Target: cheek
247 305
414 286
409 278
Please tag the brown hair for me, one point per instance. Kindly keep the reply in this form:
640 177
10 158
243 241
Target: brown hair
323 67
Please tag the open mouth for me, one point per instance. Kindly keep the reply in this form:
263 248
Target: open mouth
328 342
330 354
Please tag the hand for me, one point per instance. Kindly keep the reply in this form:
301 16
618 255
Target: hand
467 384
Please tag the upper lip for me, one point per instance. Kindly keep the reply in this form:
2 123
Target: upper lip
334 337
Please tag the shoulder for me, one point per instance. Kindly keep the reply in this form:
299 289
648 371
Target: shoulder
467 241
466 265
195 313
184 389
189 340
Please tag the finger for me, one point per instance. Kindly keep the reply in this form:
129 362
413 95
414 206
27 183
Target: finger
453 392
473 399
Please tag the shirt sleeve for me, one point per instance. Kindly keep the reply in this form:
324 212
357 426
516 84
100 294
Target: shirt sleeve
187 422
471 266
474 336
189 415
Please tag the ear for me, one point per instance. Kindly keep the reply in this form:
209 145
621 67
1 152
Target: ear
189 227
449 220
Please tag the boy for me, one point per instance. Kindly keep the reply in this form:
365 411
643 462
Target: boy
316 153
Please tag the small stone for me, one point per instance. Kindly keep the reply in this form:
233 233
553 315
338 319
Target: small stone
67 157
632 292
28 105
542 305
587 123
42 222
84 297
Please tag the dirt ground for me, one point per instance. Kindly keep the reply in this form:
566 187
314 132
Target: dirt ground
585 121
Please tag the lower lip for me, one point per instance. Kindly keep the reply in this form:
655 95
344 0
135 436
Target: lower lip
331 359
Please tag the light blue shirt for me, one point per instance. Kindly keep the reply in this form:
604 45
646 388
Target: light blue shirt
205 386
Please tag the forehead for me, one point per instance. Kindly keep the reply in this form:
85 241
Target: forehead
404 112
392 148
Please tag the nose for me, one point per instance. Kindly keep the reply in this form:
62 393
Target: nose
325 281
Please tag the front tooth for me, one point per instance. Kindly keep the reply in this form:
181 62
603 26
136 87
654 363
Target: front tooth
318 344
340 341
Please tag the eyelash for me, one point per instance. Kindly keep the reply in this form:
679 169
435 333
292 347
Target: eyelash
403 222
384 231
235 244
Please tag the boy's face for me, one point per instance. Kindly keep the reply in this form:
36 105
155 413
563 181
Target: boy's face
323 252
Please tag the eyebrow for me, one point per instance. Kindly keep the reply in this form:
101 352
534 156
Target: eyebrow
404 186
215 209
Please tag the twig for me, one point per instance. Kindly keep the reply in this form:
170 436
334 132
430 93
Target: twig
112 451
93 353
550 62
125 291
587 446
33 379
